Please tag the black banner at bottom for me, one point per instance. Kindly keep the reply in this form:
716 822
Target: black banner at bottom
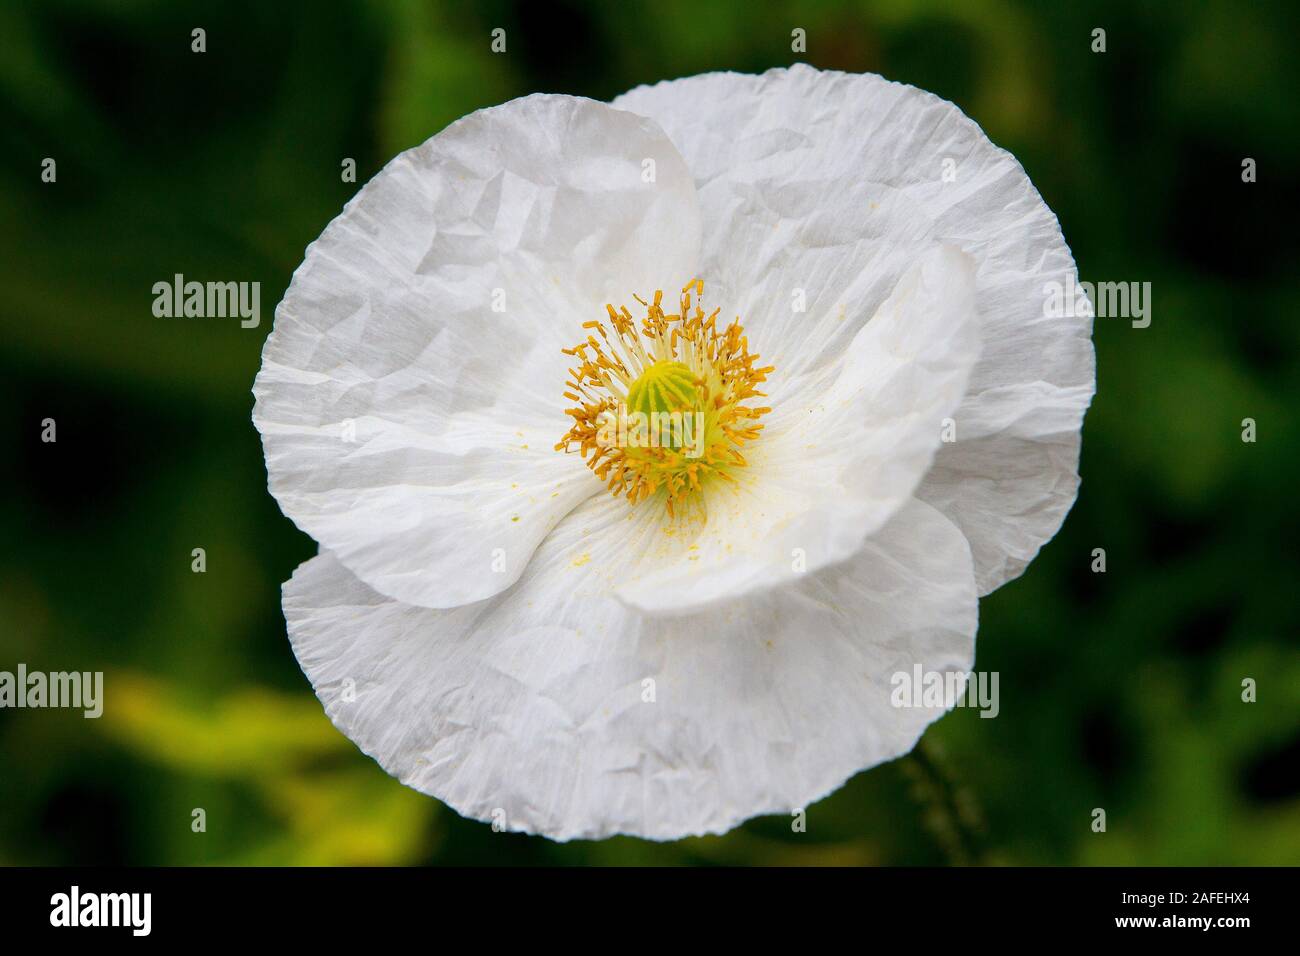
336 906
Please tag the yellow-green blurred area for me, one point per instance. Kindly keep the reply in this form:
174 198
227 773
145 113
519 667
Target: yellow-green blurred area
1119 690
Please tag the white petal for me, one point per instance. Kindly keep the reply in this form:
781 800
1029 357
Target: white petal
789 147
388 330
840 454
532 708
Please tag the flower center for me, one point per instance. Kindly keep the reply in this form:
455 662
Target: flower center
660 404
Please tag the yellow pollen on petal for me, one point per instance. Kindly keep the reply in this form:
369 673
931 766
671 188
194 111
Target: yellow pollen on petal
659 403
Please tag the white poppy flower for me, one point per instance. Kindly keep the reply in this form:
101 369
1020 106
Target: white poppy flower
500 631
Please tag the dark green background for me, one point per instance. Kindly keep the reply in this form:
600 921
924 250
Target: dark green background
1118 690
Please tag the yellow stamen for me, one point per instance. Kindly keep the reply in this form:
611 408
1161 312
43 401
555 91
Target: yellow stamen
658 403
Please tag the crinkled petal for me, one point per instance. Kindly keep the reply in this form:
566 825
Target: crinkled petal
839 455
411 391
555 709
763 149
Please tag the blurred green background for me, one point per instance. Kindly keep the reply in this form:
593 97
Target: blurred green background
1119 690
